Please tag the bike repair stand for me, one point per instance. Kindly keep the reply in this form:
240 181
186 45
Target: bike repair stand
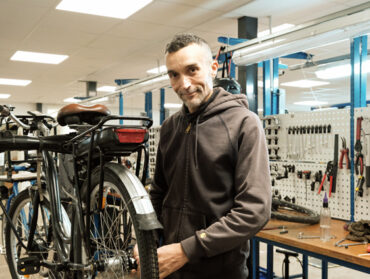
286 261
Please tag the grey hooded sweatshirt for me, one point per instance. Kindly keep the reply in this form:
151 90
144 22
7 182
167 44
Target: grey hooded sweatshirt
212 188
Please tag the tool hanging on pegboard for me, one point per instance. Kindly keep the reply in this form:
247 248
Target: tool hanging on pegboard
366 134
359 159
331 170
344 155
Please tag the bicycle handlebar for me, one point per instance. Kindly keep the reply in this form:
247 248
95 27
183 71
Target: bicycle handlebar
5 112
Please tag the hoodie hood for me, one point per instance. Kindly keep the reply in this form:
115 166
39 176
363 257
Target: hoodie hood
219 101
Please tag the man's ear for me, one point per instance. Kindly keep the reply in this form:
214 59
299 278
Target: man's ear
214 68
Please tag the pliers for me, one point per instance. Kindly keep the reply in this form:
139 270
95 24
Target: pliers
344 154
329 172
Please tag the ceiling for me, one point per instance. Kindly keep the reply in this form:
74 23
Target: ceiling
103 49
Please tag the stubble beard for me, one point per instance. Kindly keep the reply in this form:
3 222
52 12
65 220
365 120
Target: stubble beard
200 98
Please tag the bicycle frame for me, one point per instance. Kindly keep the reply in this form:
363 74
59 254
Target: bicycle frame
75 145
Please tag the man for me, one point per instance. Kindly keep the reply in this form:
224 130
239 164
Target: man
211 188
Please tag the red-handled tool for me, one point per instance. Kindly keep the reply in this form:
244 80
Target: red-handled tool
344 155
328 173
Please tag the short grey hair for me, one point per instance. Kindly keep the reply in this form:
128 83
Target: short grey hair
180 41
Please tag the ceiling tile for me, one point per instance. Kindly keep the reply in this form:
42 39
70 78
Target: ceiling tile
173 14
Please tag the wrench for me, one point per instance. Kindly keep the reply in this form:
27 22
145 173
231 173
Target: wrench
302 236
352 244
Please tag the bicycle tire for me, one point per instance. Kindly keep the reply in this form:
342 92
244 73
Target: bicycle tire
23 201
309 216
117 196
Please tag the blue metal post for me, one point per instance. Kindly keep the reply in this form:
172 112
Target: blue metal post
120 107
305 266
270 261
255 258
275 87
120 82
148 104
363 74
358 97
266 88
162 111
324 269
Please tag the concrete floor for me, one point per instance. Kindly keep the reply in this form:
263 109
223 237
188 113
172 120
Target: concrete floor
336 272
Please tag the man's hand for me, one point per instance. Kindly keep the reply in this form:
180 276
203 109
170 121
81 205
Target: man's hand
170 258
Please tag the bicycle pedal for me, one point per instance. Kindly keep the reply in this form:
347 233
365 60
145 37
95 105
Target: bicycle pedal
29 265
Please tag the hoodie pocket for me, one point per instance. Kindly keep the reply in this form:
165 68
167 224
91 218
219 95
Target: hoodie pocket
190 223
179 224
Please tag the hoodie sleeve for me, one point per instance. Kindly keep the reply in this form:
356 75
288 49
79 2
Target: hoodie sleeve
252 200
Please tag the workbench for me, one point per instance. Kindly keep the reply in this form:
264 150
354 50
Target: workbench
325 251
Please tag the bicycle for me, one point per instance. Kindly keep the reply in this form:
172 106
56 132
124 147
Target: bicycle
110 209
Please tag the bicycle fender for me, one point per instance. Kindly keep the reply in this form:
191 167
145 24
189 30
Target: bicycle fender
146 215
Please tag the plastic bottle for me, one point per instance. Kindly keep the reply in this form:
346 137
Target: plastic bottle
325 220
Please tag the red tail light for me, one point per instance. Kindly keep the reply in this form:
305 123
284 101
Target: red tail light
131 135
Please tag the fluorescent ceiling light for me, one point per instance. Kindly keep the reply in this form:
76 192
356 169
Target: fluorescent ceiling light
110 8
310 103
275 29
102 99
170 105
4 96
71 100
16 82
157 70
340 71
305 83
38 57
107 88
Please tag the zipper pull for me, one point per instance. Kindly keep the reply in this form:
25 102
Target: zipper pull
188 128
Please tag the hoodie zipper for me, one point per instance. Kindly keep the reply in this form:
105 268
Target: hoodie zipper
187 137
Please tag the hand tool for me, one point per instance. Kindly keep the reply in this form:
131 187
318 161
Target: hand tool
346 245
339 242
344 154
333 185
328 173
360 186
318 177
368 161
307 176
302 236
358 145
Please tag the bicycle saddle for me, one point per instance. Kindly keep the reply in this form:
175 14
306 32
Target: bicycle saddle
77 114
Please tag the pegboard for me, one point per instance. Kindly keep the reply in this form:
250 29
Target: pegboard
304 146
153 146
294 187
309 151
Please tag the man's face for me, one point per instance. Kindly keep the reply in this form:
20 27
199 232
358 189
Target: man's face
191 73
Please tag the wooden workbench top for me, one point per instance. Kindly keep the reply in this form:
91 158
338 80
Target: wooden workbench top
316 245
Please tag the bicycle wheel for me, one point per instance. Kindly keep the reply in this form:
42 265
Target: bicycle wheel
21 213
115 231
